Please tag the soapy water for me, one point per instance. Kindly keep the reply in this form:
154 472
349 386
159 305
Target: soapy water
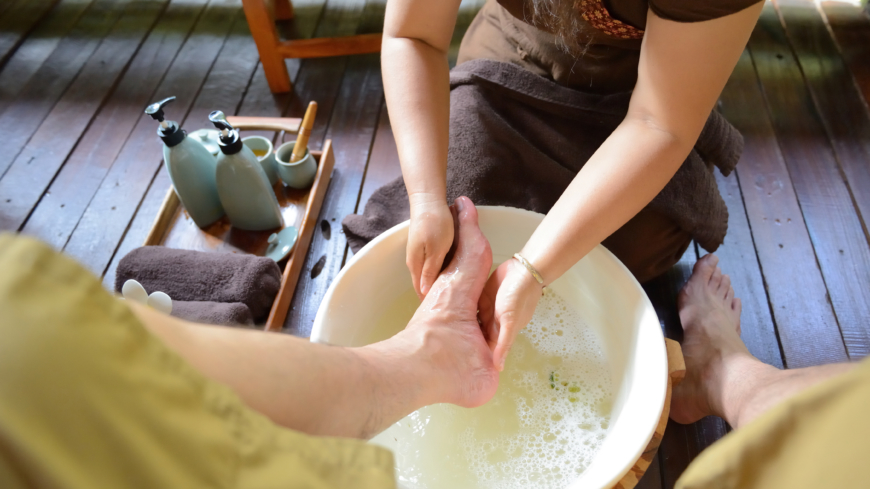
542 428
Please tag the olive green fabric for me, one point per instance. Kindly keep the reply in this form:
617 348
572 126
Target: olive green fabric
817 439
90 399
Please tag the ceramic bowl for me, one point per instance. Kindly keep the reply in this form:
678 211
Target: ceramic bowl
299 174
599 286
263 150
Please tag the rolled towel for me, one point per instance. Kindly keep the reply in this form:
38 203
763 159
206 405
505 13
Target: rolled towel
222 313
200 276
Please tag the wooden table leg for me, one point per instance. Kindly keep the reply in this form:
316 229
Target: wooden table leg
265 35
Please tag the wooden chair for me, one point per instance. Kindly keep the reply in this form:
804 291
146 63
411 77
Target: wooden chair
261 20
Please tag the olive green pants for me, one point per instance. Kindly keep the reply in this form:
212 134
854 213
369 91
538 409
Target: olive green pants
90 399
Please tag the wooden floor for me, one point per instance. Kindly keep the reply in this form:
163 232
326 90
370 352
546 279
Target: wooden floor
80 166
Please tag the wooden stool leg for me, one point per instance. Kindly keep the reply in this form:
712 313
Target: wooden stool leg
265 35
283 9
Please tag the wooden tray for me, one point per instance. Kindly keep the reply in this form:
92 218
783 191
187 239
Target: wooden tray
174 228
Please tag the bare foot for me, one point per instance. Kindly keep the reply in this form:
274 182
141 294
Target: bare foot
446 325
710 315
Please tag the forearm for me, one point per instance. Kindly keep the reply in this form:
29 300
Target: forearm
629 169
416 86
313 388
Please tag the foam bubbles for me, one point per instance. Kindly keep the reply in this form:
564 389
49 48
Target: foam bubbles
542 428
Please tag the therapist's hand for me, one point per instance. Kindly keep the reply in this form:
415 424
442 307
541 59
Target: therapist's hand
429 239
506 306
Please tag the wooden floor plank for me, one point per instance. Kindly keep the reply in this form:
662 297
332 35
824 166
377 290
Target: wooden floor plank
258 101
738 259
351 128
16 24
22 118
850 26
834 225
60 209
806 325
106 218
29 57
48 148
847 122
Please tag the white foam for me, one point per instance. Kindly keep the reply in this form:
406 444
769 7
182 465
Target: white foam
542 428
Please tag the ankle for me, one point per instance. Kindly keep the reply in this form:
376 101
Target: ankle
740 378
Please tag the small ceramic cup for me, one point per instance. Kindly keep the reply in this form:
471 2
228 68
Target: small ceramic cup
299 174
262 149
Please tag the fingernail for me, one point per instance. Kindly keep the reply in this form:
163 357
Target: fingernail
424 289
460 204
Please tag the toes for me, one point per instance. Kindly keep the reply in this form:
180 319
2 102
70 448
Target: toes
737 308
704 267
724 287
729 296
473 256
715 279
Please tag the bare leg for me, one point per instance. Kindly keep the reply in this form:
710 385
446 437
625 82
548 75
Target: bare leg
440 357
722 377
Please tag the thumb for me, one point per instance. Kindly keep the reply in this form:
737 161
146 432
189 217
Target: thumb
431 268
507 325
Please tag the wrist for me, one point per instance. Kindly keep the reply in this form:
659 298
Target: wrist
526 276
427 199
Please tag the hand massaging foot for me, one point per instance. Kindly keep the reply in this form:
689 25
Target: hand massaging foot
446 323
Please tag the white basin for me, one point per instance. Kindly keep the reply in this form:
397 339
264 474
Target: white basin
599 286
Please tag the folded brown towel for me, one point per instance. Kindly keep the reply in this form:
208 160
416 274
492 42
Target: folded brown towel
222 313
200 276
518 139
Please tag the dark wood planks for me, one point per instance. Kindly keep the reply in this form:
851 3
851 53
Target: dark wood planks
351 128
847 123
738 259
832 221
258 101
782 242
107 216
32 53
850 26
18 21
60 209
49 146
35 101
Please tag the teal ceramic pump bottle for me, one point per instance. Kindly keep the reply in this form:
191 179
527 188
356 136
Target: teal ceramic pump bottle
242 184
191 168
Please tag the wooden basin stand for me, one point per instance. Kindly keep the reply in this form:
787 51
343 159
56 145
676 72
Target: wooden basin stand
261 15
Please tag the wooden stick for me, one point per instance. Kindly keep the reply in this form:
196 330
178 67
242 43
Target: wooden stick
306 232
164 217
286 124
304 132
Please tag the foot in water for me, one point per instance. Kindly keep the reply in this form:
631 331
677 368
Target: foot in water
710 315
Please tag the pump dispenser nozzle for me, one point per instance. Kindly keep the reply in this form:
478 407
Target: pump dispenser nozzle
168 131
155 110
230 143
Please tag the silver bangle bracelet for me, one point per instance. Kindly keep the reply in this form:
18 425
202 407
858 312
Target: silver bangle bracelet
530 268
